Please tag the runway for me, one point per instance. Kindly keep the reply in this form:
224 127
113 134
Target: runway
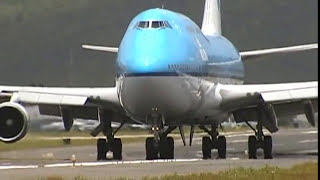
290 146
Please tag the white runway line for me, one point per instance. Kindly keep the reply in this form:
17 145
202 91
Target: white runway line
238 141
307 141
18 167
310 132
87 164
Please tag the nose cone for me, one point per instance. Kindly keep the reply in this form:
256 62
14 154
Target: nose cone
152 50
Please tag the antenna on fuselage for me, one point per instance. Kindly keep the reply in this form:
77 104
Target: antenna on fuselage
162 4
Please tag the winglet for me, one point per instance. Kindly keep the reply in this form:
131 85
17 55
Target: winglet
101 48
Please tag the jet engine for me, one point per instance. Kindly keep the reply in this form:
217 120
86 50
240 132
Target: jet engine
13 122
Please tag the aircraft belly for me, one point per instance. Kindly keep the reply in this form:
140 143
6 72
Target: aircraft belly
173 96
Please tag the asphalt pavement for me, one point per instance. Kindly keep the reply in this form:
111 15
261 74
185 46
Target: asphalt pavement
290 146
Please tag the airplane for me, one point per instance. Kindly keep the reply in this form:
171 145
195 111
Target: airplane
171 73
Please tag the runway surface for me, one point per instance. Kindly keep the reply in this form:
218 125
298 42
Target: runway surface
290 146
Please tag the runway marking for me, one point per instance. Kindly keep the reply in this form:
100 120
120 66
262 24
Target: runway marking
310 132
238 141
88 164
97 163
18 167
307 141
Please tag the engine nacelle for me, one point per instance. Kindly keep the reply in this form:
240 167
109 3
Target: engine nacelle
13 122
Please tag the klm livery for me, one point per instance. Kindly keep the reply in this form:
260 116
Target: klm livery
170 74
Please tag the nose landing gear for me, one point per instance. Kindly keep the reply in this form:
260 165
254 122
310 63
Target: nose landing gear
159 146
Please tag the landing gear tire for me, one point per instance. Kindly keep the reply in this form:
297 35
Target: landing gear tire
252 147
101 149
267 147
222 147
117 149
206 147
171 147
166 148
151 150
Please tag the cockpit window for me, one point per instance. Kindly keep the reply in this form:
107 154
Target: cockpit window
166 24
143 24
156 24
153 24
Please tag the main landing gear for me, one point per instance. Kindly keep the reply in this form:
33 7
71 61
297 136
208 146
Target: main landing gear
259 141
108 148
215 142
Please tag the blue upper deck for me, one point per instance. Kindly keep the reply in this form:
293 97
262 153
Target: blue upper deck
162 41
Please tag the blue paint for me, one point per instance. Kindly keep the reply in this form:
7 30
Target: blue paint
181 48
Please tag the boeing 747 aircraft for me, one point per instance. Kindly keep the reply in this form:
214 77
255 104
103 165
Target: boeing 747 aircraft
170 74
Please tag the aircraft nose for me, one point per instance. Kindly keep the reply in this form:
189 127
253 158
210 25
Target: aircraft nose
151 51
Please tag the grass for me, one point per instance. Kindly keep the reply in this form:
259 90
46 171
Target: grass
304 171
301 171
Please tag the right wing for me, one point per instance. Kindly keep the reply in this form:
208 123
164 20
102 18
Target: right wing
81 102
101 48
269 101
247 55
69 103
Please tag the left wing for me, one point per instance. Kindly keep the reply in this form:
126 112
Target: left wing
269 101
263 52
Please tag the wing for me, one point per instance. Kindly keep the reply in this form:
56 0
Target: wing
69 103
263 52
101 48
82 102
269 101
61 96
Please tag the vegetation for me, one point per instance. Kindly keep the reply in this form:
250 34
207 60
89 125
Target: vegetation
297 172
304 171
